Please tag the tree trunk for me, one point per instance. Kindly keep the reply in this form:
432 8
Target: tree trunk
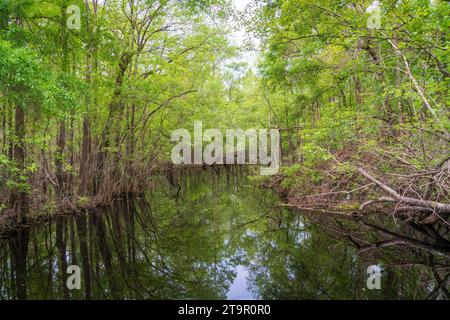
61 140
19 197
113 107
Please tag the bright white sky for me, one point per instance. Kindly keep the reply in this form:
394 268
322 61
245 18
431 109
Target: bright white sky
240 4
239 36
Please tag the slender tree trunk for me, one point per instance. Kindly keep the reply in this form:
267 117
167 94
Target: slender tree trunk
85 186
60 145
61 140
420 91
19 197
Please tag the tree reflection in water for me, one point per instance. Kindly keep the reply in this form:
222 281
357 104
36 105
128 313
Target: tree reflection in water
189 236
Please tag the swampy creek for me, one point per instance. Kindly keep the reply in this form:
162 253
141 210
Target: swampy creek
198 234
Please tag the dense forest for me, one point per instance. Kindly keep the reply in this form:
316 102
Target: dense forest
91 91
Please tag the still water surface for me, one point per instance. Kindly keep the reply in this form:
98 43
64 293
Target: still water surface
198 234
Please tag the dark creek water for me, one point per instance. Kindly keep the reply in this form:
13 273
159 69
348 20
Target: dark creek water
204 234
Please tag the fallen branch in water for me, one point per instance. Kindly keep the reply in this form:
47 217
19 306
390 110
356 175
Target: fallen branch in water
396 197
379 200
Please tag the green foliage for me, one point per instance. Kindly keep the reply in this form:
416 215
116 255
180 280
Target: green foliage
343 83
